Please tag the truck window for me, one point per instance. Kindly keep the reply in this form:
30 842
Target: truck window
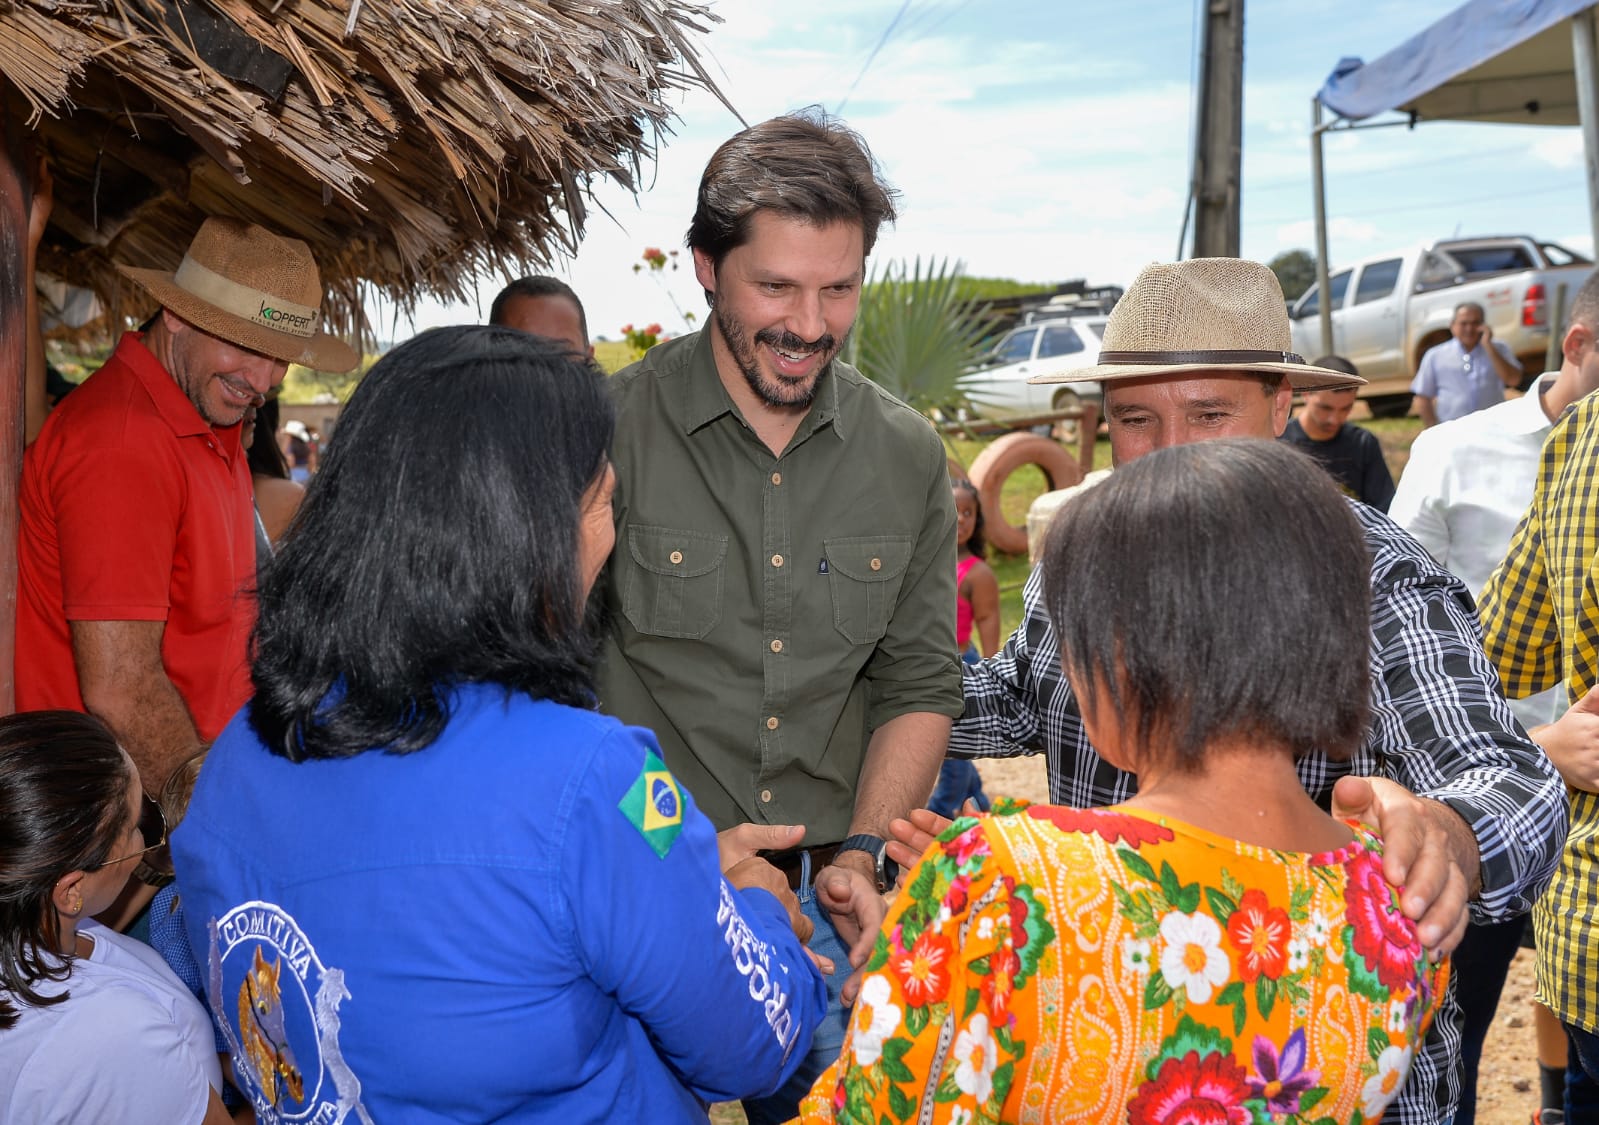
1476 260
1311 305
1377 280
1059 339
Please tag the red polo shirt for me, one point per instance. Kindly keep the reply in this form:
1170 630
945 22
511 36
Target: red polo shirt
134 509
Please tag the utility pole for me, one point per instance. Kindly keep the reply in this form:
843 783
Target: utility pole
1219 137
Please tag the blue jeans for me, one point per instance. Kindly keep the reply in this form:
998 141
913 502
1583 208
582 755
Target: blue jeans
783 1105
1582 1076
958 779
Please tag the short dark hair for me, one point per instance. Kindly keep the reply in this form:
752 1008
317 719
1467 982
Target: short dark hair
1180 586
1585 305
63 791
805 165
537 286
265 455
437 547
1338 363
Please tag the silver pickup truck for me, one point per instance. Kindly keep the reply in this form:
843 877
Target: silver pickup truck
1388 310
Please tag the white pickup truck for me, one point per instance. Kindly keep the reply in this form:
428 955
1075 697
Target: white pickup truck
1388 310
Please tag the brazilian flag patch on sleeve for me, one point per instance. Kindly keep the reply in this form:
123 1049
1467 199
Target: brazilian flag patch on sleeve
654 805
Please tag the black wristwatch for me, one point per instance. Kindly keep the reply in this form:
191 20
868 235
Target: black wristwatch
877 848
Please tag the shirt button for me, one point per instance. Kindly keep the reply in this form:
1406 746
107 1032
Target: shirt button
777 560
766 795
777 478
677 557
777 646
771 723
877 564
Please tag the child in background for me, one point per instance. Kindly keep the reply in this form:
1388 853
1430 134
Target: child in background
976 604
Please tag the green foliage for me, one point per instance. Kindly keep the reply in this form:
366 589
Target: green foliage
914 334
979 289
1295 270
303 385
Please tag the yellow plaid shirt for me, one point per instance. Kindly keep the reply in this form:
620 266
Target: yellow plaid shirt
1540 618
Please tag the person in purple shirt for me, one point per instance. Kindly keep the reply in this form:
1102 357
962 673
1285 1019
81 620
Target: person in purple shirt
426 881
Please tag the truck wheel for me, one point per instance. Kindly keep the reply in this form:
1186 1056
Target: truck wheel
993 468
1388 406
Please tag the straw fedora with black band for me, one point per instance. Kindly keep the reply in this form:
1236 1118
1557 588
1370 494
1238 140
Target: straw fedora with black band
1205 314
243 284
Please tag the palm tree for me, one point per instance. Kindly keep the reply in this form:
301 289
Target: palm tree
914 336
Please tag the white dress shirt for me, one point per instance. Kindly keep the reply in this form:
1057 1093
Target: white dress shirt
1463 492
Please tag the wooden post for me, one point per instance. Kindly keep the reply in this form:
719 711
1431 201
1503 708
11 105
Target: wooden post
1220 139
15 195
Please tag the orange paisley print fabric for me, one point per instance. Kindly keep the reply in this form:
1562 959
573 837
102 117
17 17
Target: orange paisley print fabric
1044 964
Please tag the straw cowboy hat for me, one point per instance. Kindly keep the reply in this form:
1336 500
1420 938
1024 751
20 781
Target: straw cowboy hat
250 287
1204 314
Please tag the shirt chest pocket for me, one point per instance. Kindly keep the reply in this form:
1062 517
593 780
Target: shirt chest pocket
673 586
864 575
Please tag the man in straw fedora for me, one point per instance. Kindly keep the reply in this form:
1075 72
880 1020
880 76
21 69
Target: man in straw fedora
137 550
1471 810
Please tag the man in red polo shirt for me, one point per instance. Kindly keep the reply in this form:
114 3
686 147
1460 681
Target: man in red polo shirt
137 555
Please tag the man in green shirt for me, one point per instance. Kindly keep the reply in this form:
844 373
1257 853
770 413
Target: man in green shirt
782 592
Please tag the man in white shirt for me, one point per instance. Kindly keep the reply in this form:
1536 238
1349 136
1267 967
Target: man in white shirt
1462 493
1467 373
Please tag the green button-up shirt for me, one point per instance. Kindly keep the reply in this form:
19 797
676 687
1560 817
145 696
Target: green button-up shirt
767 614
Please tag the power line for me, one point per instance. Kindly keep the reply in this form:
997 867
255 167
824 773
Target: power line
867 65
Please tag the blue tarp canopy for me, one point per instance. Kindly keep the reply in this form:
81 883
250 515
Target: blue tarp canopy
1488 60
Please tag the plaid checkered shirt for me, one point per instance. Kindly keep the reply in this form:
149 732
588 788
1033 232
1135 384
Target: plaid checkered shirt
1440 727
1541 626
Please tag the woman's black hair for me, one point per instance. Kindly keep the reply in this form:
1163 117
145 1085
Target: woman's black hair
1213 590
438 546
265 455
63 803
977 542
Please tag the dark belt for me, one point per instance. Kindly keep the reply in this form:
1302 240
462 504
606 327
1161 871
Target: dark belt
789 862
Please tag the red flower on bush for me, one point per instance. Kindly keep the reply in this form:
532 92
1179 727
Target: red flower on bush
1260 933
923 970
1385 939
1193 1091
1108 826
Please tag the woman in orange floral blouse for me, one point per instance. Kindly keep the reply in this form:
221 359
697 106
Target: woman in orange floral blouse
1217 949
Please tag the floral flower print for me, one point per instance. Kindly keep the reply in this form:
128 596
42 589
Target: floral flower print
1135 955
1193 1090
968 843
874 1019
923 969
1392 1067
1000 983
1260 933
1383 937
1281 1076
1111 827
976 1055
1298 955
1193 958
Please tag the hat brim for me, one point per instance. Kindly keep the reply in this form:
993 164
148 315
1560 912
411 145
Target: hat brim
1301 376
322 351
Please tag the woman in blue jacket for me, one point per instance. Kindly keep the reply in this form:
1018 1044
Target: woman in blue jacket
426 881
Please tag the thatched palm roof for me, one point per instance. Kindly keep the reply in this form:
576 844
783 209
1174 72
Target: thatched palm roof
415 144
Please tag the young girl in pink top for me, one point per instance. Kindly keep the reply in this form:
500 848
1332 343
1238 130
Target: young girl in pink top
976 603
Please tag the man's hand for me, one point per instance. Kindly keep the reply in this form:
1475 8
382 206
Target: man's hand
1572 742
851 899
1487 335
1429 854
756 872
742 841
914 836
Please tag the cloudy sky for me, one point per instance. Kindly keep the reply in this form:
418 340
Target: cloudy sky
1045 141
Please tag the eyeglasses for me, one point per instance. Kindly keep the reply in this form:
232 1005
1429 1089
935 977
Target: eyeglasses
152 829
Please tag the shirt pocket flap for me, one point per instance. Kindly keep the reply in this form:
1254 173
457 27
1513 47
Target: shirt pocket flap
870 558
666 550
